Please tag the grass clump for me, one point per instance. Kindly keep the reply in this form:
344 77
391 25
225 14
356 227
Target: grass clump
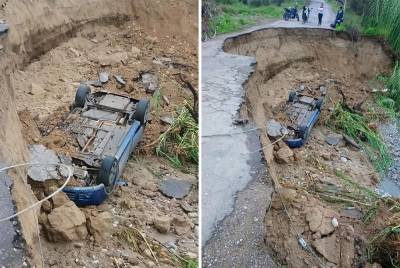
180 142
393 83
357 127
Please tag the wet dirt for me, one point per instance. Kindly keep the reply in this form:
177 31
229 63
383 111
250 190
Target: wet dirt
288 59
68 46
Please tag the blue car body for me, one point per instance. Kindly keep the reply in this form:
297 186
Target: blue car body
111 139
303 112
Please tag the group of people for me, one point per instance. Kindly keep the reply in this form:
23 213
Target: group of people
338 20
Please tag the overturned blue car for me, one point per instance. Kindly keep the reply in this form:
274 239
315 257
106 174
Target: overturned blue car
107 127
302 112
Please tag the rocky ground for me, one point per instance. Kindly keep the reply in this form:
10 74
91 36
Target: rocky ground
138 225
317 217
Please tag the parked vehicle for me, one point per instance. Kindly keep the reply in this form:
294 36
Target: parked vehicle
303 112
107 127
290 13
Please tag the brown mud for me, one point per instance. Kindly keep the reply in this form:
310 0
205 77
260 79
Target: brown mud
311 58
52 47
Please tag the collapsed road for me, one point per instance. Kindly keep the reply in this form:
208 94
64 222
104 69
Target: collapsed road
53 47
285 59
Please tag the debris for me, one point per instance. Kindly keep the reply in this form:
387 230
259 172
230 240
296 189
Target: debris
275 129
167 120
166 100
95 83
335 223
186 207
328 248
175 188
181 225
284 155
135 52
67 223
120 80
4 28
99 224
40 154
150 82
162 224
103 77
112 59
59 199
240 121
334 139
350 141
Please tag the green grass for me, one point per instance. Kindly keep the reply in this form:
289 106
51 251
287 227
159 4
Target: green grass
180 143
381 18
356 126
236 15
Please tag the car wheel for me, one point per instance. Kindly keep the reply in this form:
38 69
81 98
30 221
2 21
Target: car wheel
81 95
318 104
142 111
292 96
108 171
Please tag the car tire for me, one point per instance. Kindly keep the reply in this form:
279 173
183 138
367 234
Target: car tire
81 94
319 103
142 111
292 96
108 171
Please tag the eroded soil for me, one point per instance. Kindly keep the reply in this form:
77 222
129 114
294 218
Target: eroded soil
44 89
288 59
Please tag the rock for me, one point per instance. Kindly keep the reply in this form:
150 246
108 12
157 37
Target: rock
112 59
334 139
135 52
335 223
328 248
286 194
240 121
46 206
103 77
145 183
181 225
275 129
320 220
352 213
314 218
186 207
347 252
175 188
40 154
284 155
59 199
162 224
120 80
67 223
35 89
167 120
150 82
99 224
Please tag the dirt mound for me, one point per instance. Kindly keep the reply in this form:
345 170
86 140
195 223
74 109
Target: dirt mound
310 59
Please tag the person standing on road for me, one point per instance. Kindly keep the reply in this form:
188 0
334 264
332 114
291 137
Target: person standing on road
304 15
320 14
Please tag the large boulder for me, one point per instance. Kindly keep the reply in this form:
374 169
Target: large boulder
67 223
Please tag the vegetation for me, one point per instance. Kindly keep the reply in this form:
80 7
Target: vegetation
357 127
180 142
373 18
233 15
